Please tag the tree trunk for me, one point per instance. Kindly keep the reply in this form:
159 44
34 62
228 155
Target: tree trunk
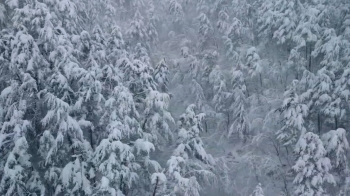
335 122
319 124
91 139
70 142
310 60
155 187
228 121
306 51
246 88
121 184
206 126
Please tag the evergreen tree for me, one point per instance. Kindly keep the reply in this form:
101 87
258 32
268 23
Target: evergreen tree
240 123
253 62
223 22
56 97
312 166
258 191
294 112
137 30
336 145
138 73
221 94
157 119
114 159
17 169
161 76
189 162
176 11
280 19
19 103
205 29
115 47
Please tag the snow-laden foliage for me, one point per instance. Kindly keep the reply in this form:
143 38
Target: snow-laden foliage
240 124
89 88
189 157
336 144
253 62
258 191
294 112
114 159
157 121
16 170
137 29
161 76
312 167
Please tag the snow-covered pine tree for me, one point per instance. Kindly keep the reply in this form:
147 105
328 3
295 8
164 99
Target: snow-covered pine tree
99 40
42 22
17 170
141 53
331 48
19 102
342 93
221 93
157 120
230 47
190 163
253 63
240 124
223 22
115 45
333 76
153 20
294 112
5 57
205 30
235 31
161 74
188 71
114 53
279 19
296 63
57 97
138 73
325 100
312 167
91 13
69 14
222 97
258 191
149 168
287 16
3 15
64 135
76 174
198 93
88 107
137 31
176 11
307 30
114 159
337 146
159 181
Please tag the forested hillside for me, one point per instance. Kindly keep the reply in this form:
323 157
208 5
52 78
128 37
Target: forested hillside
174 97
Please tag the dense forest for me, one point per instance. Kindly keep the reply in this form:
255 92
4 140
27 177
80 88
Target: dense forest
174 97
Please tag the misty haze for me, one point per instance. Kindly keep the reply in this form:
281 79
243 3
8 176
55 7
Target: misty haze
174 97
